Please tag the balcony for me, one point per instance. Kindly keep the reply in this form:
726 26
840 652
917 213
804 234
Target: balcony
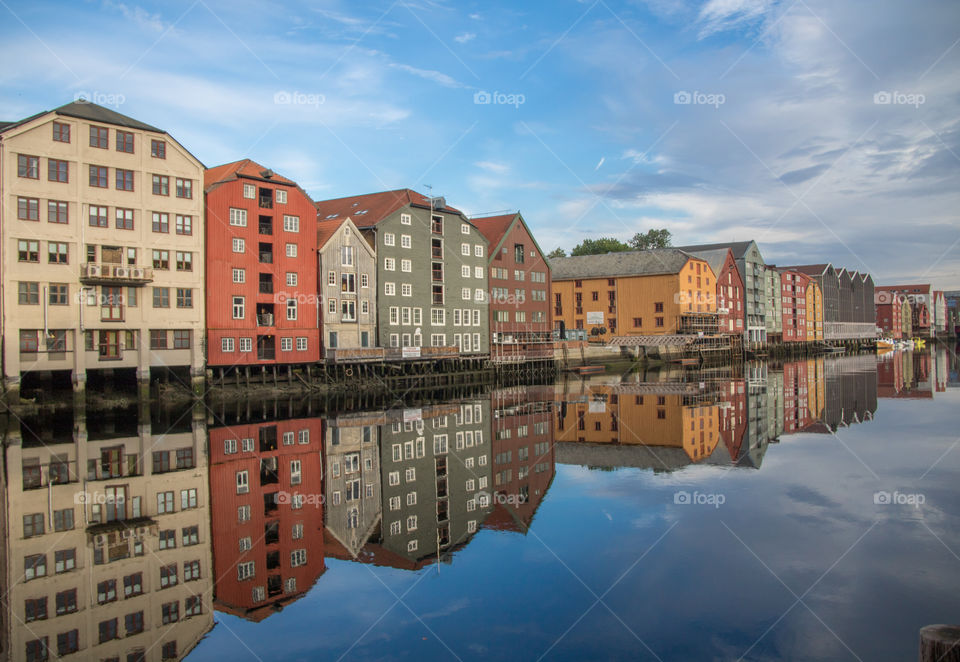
266 253
265 225
94 273
266 283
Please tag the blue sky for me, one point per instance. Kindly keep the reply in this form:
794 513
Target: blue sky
785 137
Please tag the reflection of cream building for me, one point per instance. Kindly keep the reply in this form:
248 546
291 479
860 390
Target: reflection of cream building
108 542
351 459
103 258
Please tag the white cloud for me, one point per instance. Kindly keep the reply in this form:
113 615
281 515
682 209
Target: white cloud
720 15
492 166
465 37
429 74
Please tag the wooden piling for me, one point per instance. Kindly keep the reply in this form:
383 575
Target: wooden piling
940 643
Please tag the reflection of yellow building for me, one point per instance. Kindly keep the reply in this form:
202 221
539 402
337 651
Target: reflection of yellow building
814 311
109 543
816 388
623 415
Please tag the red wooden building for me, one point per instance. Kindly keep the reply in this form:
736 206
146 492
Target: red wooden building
266 514
793 292
520 290
261 295
730 294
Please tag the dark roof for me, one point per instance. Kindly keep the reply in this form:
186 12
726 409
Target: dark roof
90 111
4 125
627 263
739 248
810 269
715 257
370 208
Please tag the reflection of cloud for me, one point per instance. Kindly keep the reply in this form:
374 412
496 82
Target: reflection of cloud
449 608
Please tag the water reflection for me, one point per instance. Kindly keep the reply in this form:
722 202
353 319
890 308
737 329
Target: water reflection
126 529
107 545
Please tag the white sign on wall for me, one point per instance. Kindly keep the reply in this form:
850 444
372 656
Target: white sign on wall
595 318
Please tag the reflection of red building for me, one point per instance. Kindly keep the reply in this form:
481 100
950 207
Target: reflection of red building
733 415
261 268
793 290
796 409
267 517
523 454
905 375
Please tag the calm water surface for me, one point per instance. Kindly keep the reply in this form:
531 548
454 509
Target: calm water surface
806 511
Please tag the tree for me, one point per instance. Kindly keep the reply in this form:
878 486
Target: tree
557 252
599 246
651 239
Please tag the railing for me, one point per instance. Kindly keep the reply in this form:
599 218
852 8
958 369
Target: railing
355 354
94 272
265 319
266 203
266 258
394 353
266 228
266 287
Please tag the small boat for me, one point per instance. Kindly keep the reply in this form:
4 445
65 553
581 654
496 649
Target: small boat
885 345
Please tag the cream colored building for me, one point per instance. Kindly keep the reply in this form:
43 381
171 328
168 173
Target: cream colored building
348 290
352 487
103 256
108 541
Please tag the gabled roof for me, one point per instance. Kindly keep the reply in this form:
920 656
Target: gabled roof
811 269
88 111
715 257
369 209
243 169
923 288
627 263
326 229
496 228
739 248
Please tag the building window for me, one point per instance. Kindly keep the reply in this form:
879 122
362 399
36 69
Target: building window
291 250
161 185
28 294
124 141
184 224
181 338
158 339
58 171
238 245
238 217
238 308
124 218
290 223
158 149
184 187
124 180
161 222
61 132
98 176
28 209
28 250
184 297
99 137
